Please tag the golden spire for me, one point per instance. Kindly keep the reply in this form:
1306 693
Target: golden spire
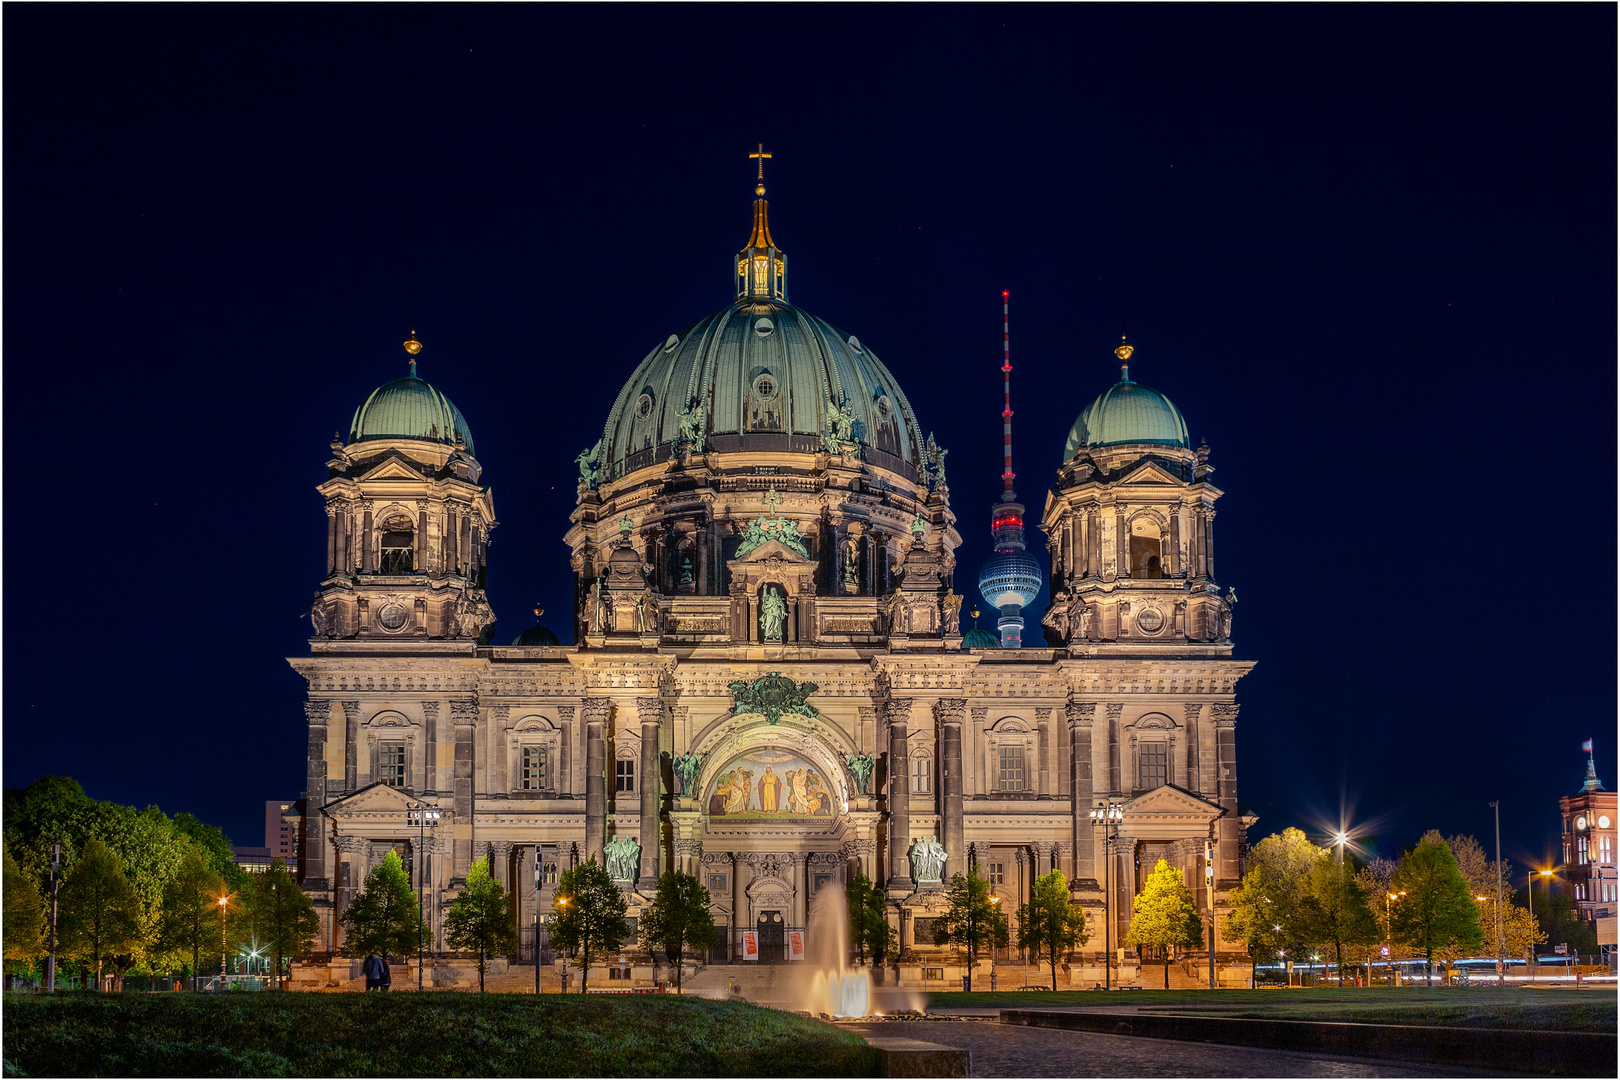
761 267
1123 350
413 347
760 155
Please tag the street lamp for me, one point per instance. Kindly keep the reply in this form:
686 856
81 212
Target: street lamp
1501 939
539 871
1209 898
424 817
562 902
1107 816
223 909
996 900
1530 901
1389 898
1340 839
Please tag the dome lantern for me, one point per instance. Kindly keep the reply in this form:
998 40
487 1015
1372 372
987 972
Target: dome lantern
761 266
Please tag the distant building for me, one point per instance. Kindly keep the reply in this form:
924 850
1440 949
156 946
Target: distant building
280 830
255 860
1589 819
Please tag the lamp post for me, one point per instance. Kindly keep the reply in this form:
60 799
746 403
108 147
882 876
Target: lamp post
1107 816
424 817
562 902
1530 902
1209 899
1501 940
50 957
1389 898
223 910
539 870
1340 839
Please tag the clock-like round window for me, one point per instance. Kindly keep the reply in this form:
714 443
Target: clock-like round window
393 617
1150 621
763 327
1603 821
644 406
883 407
765 387
1580 822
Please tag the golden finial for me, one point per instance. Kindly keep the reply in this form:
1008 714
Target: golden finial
1125 349
413 346
539 611
760 155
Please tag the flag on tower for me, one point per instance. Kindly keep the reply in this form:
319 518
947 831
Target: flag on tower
1587 746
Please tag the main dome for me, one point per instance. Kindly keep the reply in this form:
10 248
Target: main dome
409 408
765 376
1127 412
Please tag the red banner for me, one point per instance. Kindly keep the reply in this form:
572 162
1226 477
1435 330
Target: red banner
750 950
796 945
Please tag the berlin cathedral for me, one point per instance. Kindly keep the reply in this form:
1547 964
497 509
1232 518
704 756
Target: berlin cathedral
769 686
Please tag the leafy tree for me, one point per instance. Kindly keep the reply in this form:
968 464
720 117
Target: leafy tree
590 913
481 919
1560 920
1520 930
386 917
1253 918
216 849
973 921
24 930
99 911
1166 915
678 919
869 929
1437 911
1478 869
283 916
1337 909
1267 913
191 910
1049 924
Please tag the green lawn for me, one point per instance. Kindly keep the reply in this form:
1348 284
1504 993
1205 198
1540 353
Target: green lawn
1515 1007
441 1034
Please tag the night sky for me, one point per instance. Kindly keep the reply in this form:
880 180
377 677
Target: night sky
1368 251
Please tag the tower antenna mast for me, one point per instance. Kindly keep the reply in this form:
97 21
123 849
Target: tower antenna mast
1006 404
1011 578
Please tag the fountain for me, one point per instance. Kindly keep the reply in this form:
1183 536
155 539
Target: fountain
836 989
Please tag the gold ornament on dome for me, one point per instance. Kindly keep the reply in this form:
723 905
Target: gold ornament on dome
412 345
1124 349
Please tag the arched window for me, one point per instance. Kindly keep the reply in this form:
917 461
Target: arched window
398 545
1147 542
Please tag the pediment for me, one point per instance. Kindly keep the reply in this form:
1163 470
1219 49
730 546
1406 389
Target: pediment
370 800
1148 471
769 551
1170 800
393 469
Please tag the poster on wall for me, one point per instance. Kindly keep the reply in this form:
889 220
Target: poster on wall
796 945
770 784
750 945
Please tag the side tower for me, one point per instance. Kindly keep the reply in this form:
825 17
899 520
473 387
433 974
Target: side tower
1011 577
408 521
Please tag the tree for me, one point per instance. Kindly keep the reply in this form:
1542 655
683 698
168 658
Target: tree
1437 911
1520 930
24 929
590 914
481 919
1337 909
869 928
973 921
191 910
216 849
386 917
678 919
1166 915
1266 913
1049 923
1478 869
283 917
99 911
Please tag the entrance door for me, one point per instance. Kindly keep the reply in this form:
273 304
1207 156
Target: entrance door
772 937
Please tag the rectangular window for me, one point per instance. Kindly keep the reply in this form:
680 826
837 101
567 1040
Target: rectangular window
624 775
1580 849
391 764
996 873
548 874
1153 765
922 931
1010 774
1605 851
922 776
933 974
534 768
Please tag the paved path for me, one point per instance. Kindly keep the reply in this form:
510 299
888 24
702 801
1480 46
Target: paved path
1007 1050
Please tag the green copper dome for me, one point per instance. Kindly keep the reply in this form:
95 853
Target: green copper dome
1127 412
409 408
980 639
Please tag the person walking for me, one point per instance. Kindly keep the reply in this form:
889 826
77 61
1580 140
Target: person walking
372 966
386 978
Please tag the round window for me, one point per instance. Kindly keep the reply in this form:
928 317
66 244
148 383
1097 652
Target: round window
1150 621
644 406
763 327
854 343
765 387
883 407
669 346
392 617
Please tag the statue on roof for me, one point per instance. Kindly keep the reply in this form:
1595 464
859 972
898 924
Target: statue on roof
689 430
589 474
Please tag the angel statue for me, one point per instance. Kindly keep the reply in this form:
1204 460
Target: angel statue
589 474
686 768
689 431
951 612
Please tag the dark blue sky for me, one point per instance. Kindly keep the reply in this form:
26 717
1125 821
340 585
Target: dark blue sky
1369 251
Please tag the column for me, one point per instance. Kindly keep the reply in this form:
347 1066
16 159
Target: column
1113 749
421 536
312 857
331 538
1228 828
1122 542
501 863
801 888
564 782
595 711
650 711
430 748
351 742
464 717
1094 540
1081 564
365 535
1080 714
951 712
1209 544
500 736
739 907
464 547
898 713
341 559
451 531
1043 750
350 877
1194 781
1174 569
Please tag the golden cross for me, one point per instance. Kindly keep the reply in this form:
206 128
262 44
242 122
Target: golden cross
761 155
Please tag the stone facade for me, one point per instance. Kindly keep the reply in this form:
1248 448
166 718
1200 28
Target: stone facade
770 600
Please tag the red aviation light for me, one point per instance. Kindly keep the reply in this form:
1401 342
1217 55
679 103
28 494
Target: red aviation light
1001 523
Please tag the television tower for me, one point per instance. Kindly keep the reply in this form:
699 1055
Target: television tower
1011 577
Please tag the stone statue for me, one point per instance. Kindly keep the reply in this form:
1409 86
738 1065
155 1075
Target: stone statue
860 767
1231 595
933 462
689 435
951 612
686 768
927 860
647 613
623 858
320 618
852 561
772 615
830 444
1083 631
593 608
841 421
790 535
1226 623
1056 618
894 612
589 474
